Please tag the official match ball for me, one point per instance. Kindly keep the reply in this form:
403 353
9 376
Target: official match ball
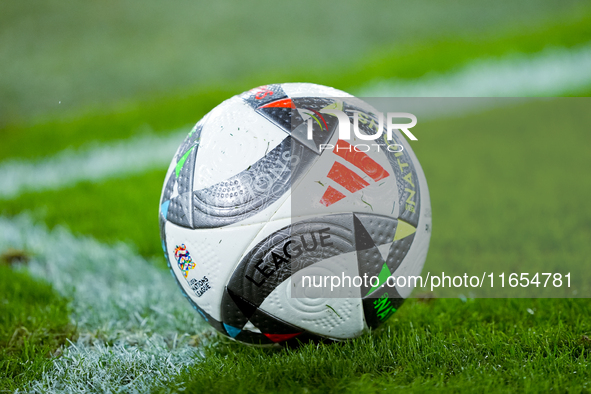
267 205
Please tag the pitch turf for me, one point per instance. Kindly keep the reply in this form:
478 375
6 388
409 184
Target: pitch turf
34 325
476 345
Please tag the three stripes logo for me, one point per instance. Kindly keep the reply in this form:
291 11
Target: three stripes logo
348 178
290 113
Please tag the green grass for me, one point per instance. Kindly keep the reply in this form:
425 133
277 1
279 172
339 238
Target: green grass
26 141
444 345
116 210
34 324
509 188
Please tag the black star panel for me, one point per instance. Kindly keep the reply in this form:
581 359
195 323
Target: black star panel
369 258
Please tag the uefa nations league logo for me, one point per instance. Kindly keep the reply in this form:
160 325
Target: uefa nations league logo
184 260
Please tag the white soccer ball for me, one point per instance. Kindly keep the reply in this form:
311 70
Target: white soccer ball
263 199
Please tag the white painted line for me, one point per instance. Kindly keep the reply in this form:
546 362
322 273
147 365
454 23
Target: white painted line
117 297
115 369
554 71
110 160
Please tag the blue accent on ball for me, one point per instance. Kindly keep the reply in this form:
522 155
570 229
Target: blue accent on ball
232 331
164 208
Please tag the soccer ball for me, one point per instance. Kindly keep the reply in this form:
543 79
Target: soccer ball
264 207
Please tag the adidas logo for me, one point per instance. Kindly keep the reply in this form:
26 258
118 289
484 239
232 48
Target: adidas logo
348 178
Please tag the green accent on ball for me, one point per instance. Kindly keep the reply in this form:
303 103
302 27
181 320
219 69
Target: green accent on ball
383 307
179 165
317 121
383 277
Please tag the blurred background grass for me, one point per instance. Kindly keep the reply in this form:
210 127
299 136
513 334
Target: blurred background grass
62 56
